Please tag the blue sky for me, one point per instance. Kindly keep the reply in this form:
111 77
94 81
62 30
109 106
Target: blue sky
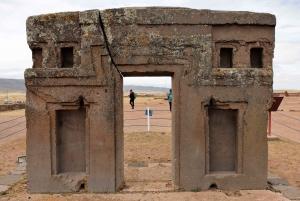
16 56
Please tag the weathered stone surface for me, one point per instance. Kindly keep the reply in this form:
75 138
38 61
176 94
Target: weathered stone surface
138 164
20 168
290 192
58 27
174 15
17 172
219 61
3 188
10 179
275 180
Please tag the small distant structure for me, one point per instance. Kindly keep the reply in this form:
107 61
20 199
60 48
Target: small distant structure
7 102
286 93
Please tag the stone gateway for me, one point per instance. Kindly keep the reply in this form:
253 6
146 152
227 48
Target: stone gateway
221 68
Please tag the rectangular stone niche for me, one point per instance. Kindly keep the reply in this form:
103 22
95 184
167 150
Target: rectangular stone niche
67 58
256 57
222 139
70 140
226 57
37 57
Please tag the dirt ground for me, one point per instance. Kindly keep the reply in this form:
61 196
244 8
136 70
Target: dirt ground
135 119
285 122
147 147
13 97
12 144
284 160
155 147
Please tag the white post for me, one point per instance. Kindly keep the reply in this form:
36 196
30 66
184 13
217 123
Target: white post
148 116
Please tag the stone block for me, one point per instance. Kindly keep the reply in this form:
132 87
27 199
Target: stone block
221 68
21 168
290 192
3 188
10 179
17 172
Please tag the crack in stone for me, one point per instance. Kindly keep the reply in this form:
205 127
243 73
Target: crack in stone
107 46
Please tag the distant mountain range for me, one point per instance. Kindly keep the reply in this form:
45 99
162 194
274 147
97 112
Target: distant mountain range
18 85
12 85
145 88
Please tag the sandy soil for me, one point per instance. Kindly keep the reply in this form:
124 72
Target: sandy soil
12 144
284 160
147 147
150 147
135 119
290 104
151 183
14 119
286 124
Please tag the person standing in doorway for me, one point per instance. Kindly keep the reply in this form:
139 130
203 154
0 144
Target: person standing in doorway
131 96
170 99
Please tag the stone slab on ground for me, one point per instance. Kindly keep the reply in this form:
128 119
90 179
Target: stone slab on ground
148 186
23 164
10 179
16 172
290 192
3 188
138 164
161 164
262 195
21 168
275 180
272 138
163 190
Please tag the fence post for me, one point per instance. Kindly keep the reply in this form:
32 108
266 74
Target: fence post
148 117
269 130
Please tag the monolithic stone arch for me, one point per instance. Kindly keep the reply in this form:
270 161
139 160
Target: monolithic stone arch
221 66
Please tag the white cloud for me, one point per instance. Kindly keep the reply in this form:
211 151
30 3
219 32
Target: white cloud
286 76
16 56
149 81
286 53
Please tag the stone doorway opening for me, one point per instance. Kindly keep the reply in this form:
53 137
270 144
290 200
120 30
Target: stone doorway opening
147 143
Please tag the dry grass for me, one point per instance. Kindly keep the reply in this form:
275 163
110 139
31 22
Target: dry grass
13 97
12 113
284 157
18 189
10 153
151 147
284 160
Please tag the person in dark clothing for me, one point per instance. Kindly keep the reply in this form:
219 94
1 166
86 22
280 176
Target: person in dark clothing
131 96
170 99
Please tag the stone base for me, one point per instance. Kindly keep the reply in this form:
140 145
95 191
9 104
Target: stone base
272 138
